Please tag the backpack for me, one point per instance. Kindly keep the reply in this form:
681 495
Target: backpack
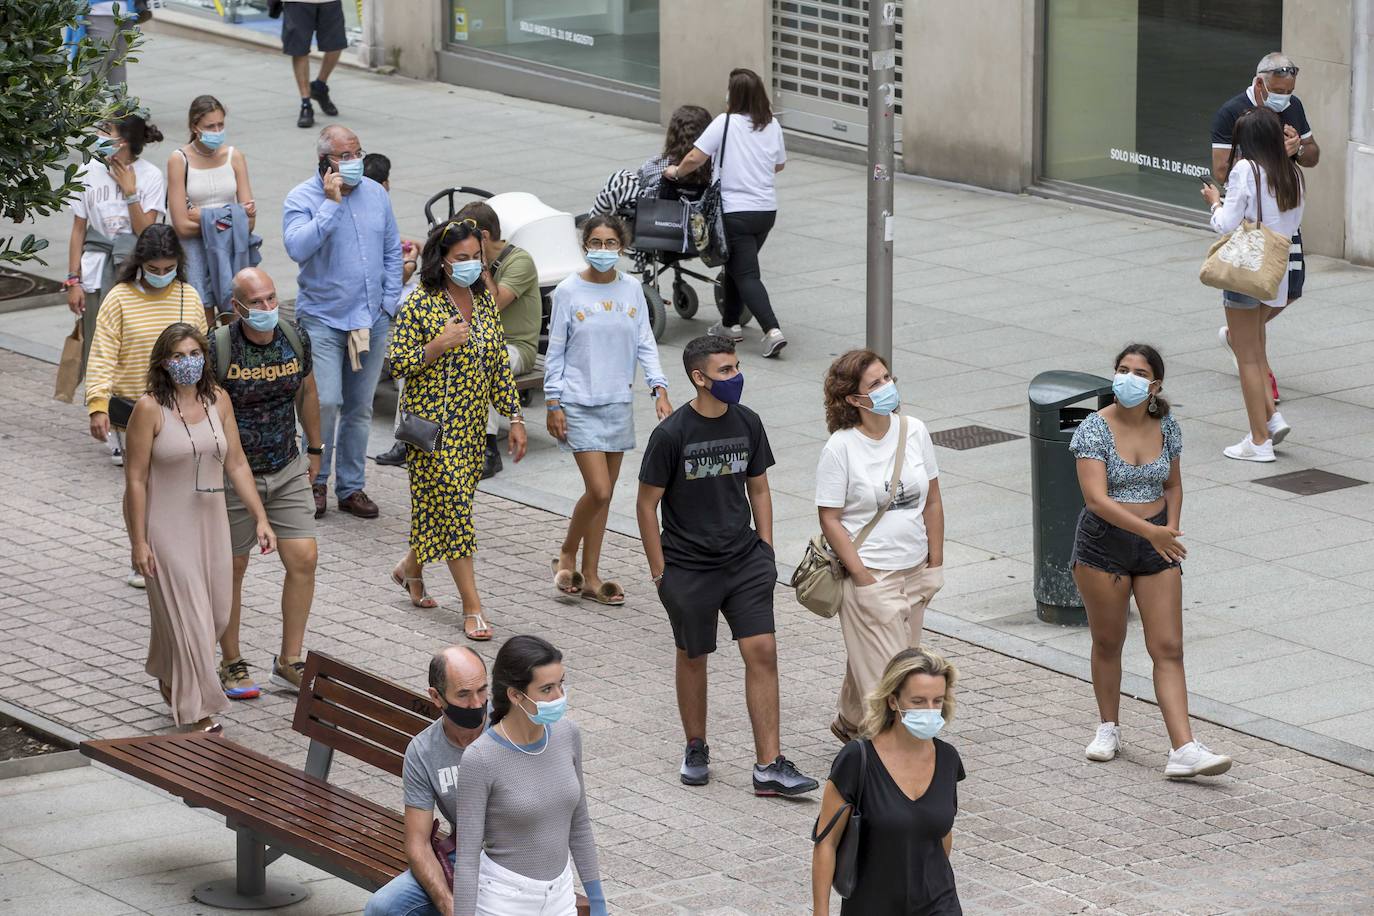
223 347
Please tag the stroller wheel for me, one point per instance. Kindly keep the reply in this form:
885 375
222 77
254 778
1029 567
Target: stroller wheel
719 289
685 301
658 314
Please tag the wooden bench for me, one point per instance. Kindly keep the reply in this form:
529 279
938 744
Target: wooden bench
528 381
276 809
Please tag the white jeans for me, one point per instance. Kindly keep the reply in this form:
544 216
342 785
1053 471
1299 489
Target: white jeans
502 892
517 368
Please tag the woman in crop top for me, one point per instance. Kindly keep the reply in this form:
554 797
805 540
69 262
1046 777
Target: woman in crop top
1127 543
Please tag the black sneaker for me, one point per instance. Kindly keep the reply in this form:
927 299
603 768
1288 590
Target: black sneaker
781 777
393 457
307 117
696 760
320 92
491 459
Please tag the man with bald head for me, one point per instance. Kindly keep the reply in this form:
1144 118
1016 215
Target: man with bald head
264 363
458 684
339 228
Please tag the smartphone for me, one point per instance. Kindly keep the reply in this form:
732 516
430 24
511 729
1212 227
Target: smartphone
1210 182
325 166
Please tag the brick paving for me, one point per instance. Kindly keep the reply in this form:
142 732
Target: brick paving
1040 830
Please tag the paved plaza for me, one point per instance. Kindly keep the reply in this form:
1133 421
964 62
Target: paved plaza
991 289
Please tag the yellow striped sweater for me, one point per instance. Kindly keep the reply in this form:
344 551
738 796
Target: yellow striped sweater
126 327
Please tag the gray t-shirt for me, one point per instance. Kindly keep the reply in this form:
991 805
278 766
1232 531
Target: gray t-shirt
527 811
430 774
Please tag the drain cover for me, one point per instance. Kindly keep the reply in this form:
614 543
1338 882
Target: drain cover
963 438
1310 482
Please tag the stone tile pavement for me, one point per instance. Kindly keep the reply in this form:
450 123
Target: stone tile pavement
1040 830
991 289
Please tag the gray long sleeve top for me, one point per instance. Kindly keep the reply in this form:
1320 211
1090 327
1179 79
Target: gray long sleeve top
526 811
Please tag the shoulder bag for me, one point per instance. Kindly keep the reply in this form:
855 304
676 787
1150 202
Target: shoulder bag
847 851
819 577
418 432
708 214
1250 260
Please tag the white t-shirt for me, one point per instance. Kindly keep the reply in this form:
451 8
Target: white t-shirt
853 475
102 205
751 157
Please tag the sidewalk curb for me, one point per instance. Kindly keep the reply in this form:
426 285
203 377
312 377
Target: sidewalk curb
54 731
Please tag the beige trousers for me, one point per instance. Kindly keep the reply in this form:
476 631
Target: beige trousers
878 621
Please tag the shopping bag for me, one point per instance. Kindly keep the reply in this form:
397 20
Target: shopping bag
69 372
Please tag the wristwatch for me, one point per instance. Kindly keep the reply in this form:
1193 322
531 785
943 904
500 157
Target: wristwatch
314 449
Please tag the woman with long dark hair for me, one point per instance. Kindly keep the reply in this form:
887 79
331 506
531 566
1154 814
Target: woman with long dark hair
1127 544
753 154
449 347
183 443
622 189
1263 181
522 805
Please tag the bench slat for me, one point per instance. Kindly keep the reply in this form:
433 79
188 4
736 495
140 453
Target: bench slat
380 687
383 759
407 723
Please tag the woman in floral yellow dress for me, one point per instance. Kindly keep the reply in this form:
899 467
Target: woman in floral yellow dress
449 347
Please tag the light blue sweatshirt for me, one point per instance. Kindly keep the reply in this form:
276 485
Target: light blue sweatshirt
597 332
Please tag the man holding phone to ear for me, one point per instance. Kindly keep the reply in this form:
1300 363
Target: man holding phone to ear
339 228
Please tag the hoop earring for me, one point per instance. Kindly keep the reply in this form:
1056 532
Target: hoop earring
1154 405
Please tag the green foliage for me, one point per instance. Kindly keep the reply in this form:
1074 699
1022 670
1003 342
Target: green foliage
50 107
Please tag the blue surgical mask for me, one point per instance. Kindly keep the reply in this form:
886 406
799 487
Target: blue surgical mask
885 399
1277 101
105 146
603 260
211 139
550 711
187 370
728 390
159 281
465 273
352 171
923 723
1130 389
261 319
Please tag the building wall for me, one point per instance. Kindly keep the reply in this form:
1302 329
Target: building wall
412 33
1359 190
701 41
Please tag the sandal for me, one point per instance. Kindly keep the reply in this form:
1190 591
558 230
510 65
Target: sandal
425 601
207 725
609 593
481 627
567 581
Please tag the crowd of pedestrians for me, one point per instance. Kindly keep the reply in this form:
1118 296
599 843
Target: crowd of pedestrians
230 422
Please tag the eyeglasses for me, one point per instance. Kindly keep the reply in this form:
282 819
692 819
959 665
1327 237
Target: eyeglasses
195 454
1282 71
348 157
603 245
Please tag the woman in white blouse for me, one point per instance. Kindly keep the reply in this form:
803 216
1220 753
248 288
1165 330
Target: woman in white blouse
1263 181
898 567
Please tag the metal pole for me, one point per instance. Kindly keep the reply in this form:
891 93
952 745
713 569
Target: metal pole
882 97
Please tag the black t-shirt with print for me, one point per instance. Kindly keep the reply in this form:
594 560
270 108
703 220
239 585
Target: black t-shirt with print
262 383
702 464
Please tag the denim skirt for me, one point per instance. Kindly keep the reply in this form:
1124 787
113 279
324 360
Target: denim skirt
603 428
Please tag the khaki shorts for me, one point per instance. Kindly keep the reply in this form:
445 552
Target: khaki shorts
288 499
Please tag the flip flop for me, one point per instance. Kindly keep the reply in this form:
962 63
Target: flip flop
609 593
567 581
481 626
404 582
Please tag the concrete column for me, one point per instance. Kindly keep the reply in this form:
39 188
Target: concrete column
1317 36
969 83
1359 216
412 32
701 41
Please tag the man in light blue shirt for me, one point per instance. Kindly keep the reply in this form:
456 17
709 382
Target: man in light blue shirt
339 228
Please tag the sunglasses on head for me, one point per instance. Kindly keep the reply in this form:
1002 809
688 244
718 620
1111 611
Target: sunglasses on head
467 223
1282 71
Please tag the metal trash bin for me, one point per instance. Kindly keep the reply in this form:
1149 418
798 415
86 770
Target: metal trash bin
1056 498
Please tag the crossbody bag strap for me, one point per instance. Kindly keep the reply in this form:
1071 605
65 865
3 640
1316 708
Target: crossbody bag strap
1259 194
866 530
720 160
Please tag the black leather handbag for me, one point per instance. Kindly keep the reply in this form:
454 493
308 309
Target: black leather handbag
847 853
708 215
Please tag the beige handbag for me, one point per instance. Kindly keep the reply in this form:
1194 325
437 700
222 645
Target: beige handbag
1252 260
819 577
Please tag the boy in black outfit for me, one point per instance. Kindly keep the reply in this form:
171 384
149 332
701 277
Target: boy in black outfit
708 465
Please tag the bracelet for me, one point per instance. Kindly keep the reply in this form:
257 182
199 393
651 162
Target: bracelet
552 407
656 579
131 198
314 450
520 420
71 281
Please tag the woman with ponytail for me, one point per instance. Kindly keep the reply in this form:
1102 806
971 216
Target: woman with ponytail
1127 543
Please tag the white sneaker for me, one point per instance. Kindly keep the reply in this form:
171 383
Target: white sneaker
773 342
135 579
1225 337
1194 759
1278 428
1247 450
1107 743
721 329
117 457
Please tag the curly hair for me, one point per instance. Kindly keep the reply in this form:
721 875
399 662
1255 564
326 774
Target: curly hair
442 237
684 127
841 381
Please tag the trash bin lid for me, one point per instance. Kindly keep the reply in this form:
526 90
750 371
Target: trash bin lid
1052 390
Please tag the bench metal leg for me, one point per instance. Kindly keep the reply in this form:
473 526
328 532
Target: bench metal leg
250 888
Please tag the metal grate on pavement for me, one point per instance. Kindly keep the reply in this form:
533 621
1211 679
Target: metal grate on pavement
963 438
1310 482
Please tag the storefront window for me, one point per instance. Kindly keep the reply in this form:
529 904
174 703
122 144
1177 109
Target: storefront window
1131 87
611 39
252 14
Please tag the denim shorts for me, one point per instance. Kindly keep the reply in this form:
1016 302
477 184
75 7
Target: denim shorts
603 428
1100 544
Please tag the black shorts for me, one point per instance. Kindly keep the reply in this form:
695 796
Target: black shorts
322 21
742 592
1100 544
